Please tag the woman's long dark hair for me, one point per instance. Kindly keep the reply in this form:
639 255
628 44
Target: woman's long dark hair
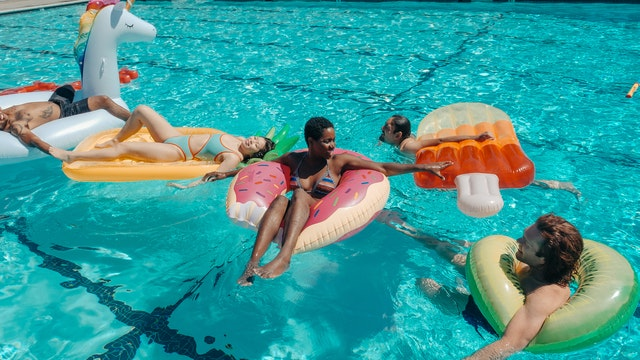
269 145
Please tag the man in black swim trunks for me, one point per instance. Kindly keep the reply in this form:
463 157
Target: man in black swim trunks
20 120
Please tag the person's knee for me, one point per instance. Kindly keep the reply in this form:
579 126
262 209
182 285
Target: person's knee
140 111
280 199
298 194
280 202
100 102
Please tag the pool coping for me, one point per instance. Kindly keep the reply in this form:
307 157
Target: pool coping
13 6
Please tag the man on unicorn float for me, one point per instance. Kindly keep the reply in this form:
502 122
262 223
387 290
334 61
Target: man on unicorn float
21 119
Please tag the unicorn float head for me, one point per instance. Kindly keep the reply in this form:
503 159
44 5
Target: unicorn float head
104 25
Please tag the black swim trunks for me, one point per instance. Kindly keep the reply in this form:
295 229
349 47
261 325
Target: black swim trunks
474 317
63 97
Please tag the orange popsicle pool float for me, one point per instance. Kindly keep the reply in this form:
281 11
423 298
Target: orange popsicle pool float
502 156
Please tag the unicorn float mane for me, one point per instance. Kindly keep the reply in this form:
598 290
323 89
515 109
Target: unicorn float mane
104 25
86 23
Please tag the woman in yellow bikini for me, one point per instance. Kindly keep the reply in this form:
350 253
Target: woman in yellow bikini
315 173
170 144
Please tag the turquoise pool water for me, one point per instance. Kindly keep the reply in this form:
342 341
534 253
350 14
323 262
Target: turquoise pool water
144 271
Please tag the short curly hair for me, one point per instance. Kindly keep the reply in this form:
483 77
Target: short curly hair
561 250
315 127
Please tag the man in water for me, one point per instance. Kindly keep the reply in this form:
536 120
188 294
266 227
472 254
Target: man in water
396 131
21 119
548 252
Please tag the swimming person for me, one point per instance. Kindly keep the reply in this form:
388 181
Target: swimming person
170 144
21 119
450 250
314 174
396 131
549 251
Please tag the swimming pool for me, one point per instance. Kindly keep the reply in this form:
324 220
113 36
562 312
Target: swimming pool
144 271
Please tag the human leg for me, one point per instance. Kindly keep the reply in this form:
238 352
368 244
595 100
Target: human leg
295 218
450 301
558 185
104 102
158 126
446 249
267 231
141 151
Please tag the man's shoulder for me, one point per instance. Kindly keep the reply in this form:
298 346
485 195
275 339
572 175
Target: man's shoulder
409 146
548 297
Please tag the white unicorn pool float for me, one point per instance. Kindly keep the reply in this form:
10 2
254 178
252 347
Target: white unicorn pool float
104 26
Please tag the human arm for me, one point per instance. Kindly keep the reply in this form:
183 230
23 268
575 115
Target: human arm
413 145
219 175
525 324
558 185
29 138
350 162
208 177
224 171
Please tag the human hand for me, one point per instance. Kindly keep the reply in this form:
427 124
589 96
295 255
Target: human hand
213 176
59 154
436 167
484 136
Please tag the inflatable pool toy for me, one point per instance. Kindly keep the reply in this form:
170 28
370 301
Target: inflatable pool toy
64 133
36 86
606 297
125 75
104 25
283 142
359 197
112 25
478 194
502 156
130 170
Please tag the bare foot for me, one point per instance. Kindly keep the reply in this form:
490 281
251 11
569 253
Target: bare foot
273 269
59 154
459 260
246 279
429 286
106 144
449 302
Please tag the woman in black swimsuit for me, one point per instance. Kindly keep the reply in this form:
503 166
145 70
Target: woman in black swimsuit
316 172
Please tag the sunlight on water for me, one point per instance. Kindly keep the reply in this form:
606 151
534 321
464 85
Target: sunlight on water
148 272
